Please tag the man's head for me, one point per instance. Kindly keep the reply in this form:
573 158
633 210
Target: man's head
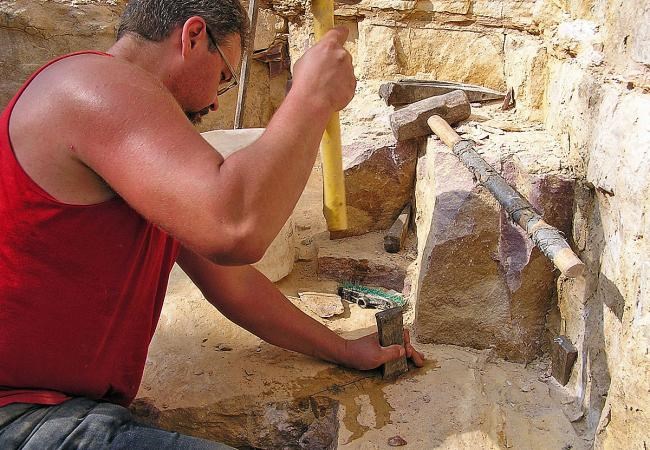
207 36
155 20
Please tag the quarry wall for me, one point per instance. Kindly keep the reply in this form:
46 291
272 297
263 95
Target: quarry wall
581 69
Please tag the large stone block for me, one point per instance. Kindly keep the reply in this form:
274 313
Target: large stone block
386 51
482 284
379 175
379 172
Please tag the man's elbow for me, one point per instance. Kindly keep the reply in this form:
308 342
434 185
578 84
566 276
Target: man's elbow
242 246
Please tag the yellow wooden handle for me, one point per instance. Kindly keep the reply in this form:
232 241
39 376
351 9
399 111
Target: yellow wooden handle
334 205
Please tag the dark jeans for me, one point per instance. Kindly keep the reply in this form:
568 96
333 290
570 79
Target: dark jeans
86 424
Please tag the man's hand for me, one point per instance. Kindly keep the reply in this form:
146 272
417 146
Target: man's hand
365 353
324 74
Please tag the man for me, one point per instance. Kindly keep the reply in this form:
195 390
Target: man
104 184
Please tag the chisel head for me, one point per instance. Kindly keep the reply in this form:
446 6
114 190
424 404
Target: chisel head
390 327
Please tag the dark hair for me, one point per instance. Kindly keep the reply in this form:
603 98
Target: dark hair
154 20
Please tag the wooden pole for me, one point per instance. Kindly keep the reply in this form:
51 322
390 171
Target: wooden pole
547 238
334 204
245 66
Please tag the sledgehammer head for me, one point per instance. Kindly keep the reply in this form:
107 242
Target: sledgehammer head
411 121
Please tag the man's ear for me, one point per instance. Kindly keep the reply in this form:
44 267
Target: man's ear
193 35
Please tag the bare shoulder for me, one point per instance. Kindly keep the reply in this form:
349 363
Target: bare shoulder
92 102
98 84
94 92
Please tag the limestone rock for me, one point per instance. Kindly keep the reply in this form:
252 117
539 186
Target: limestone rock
482 283
362 259
322 304
278 260
32 33
379 176
386 52
526 72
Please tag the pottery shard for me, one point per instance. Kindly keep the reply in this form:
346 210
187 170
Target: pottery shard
484 284
379 177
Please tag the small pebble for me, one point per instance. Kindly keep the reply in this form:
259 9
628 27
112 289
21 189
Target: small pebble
426 398
396 441
223 348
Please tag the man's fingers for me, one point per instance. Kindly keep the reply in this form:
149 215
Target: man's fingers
416 357
339 34
392 352
411 352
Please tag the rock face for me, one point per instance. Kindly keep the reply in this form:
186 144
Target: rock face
483 284
379 175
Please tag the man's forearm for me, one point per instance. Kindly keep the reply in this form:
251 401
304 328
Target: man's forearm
249 299
266 312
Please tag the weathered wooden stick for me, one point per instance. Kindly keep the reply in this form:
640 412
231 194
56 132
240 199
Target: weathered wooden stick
394 239
390 327
547 238
245 67
405 92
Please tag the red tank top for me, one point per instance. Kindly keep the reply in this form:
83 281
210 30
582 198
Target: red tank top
81 289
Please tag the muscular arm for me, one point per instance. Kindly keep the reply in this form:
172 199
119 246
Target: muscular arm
250 300
132 133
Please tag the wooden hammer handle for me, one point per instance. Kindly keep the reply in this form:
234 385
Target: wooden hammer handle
545 237
443 130
334 201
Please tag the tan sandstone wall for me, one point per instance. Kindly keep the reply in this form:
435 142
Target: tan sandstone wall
581 68
32 33
597 102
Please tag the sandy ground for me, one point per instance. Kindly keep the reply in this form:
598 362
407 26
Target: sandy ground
207 377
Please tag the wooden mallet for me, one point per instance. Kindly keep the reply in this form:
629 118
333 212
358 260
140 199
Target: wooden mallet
435 114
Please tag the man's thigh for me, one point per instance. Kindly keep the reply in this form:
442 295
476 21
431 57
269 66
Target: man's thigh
85 424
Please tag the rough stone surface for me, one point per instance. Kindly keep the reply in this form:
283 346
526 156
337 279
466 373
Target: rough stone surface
258 395
362 259
278 259
379 175
482 283
388 52
379 172
596 103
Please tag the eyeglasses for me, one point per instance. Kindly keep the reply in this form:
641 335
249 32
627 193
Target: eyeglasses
233 81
